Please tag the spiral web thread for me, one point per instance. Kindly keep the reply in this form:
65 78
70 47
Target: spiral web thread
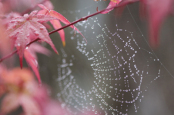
109 74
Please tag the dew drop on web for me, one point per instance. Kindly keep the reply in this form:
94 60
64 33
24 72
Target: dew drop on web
112 72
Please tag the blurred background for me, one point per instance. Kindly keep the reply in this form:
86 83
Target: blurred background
116 71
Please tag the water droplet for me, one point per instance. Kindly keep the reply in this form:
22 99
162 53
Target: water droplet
28 35
26 15
36 33
92 27
42 28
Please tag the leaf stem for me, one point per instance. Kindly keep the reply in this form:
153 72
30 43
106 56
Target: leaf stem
79 20
11 54
94 14
8 56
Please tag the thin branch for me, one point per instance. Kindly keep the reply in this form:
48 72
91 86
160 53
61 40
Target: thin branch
94 14
79 20
11 54
8 56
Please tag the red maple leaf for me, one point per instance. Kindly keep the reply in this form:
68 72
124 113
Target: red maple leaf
24 29
31 58
112 3
56 24
157 11
22 90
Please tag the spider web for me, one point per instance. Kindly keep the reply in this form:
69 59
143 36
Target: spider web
113 71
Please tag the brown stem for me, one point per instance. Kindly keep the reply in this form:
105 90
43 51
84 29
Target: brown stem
79 20
9 55
94 14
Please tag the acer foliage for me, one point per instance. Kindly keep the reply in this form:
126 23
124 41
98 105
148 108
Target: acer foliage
157 11
4 41
112 3
56 23
31 58
23 29
19 31
20 89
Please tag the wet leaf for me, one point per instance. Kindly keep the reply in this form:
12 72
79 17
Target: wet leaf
157 11
112 3
56 24
24 29
31 58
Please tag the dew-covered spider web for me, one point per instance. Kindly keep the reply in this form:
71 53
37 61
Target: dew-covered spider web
114 70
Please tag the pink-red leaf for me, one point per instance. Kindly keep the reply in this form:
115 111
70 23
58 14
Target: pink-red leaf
64 20
112 3
33 63
56 24
58 16
29 105
54 108
31 58
158 10
23 29
10 103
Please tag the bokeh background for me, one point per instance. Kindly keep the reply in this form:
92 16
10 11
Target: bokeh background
158 97
156 66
